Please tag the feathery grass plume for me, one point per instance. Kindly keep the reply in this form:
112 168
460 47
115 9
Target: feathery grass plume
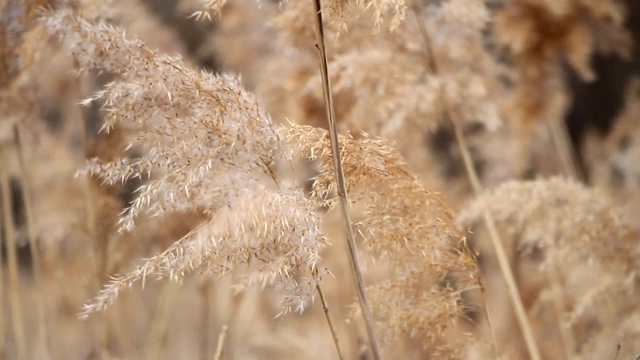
391 13
385 78
209 8
214 151
579 237
18 37
559 216
273 235
542 35
382 83
405 225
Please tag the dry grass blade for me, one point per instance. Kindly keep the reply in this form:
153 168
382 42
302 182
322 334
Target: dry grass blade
341 187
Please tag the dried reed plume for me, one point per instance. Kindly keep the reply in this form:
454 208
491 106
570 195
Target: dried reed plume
214 151
206 142
559 216
583 245
192 174
405 225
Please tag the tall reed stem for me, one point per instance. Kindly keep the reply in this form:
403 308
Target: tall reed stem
15 293
341 186
159 325
496 242
36 262
498 247
208 319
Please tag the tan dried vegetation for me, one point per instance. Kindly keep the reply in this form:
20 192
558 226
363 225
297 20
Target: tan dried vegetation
148 143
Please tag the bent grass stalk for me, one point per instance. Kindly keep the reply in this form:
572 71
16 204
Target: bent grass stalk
327 314
341 186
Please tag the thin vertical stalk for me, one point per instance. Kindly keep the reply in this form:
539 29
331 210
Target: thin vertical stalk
221 339
208 319
498 247
341 186
160 323
327 314
565 149
432 67
15 293
36 262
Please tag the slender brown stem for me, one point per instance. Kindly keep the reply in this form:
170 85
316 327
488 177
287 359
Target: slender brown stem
15 293
36 262
341 186
565 149
327 314
432 66
498 247
221 339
